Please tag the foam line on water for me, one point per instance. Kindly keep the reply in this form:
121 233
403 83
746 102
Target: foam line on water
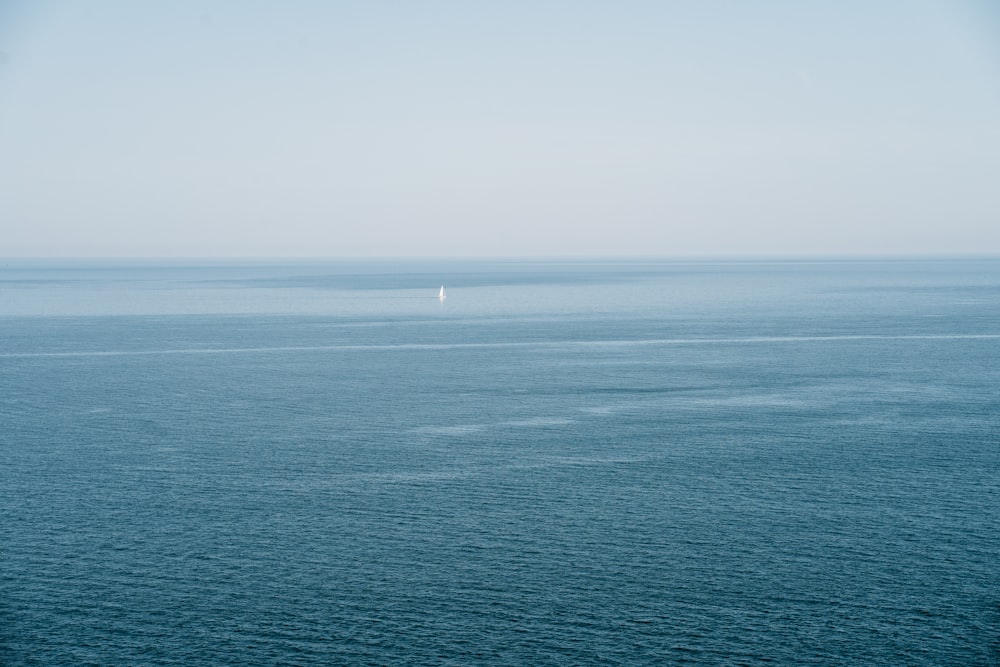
498 345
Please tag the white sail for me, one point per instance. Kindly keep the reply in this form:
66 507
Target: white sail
441 295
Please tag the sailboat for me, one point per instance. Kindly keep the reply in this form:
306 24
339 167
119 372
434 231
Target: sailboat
441 295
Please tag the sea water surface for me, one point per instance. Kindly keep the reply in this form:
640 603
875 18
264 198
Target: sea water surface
565 463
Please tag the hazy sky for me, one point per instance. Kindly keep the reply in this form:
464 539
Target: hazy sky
499 128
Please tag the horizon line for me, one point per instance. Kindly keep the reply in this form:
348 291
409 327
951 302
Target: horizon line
688 257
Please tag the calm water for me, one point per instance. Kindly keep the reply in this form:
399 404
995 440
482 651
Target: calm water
563 463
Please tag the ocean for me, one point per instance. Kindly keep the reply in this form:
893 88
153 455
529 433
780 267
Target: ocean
563 463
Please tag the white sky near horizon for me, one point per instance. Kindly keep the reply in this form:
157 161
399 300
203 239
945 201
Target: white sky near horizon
247 129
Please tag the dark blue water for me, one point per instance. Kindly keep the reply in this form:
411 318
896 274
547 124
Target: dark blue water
563 463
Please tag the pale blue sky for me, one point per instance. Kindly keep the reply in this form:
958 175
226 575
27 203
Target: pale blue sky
499 128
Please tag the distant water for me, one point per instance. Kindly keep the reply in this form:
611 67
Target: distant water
792 463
